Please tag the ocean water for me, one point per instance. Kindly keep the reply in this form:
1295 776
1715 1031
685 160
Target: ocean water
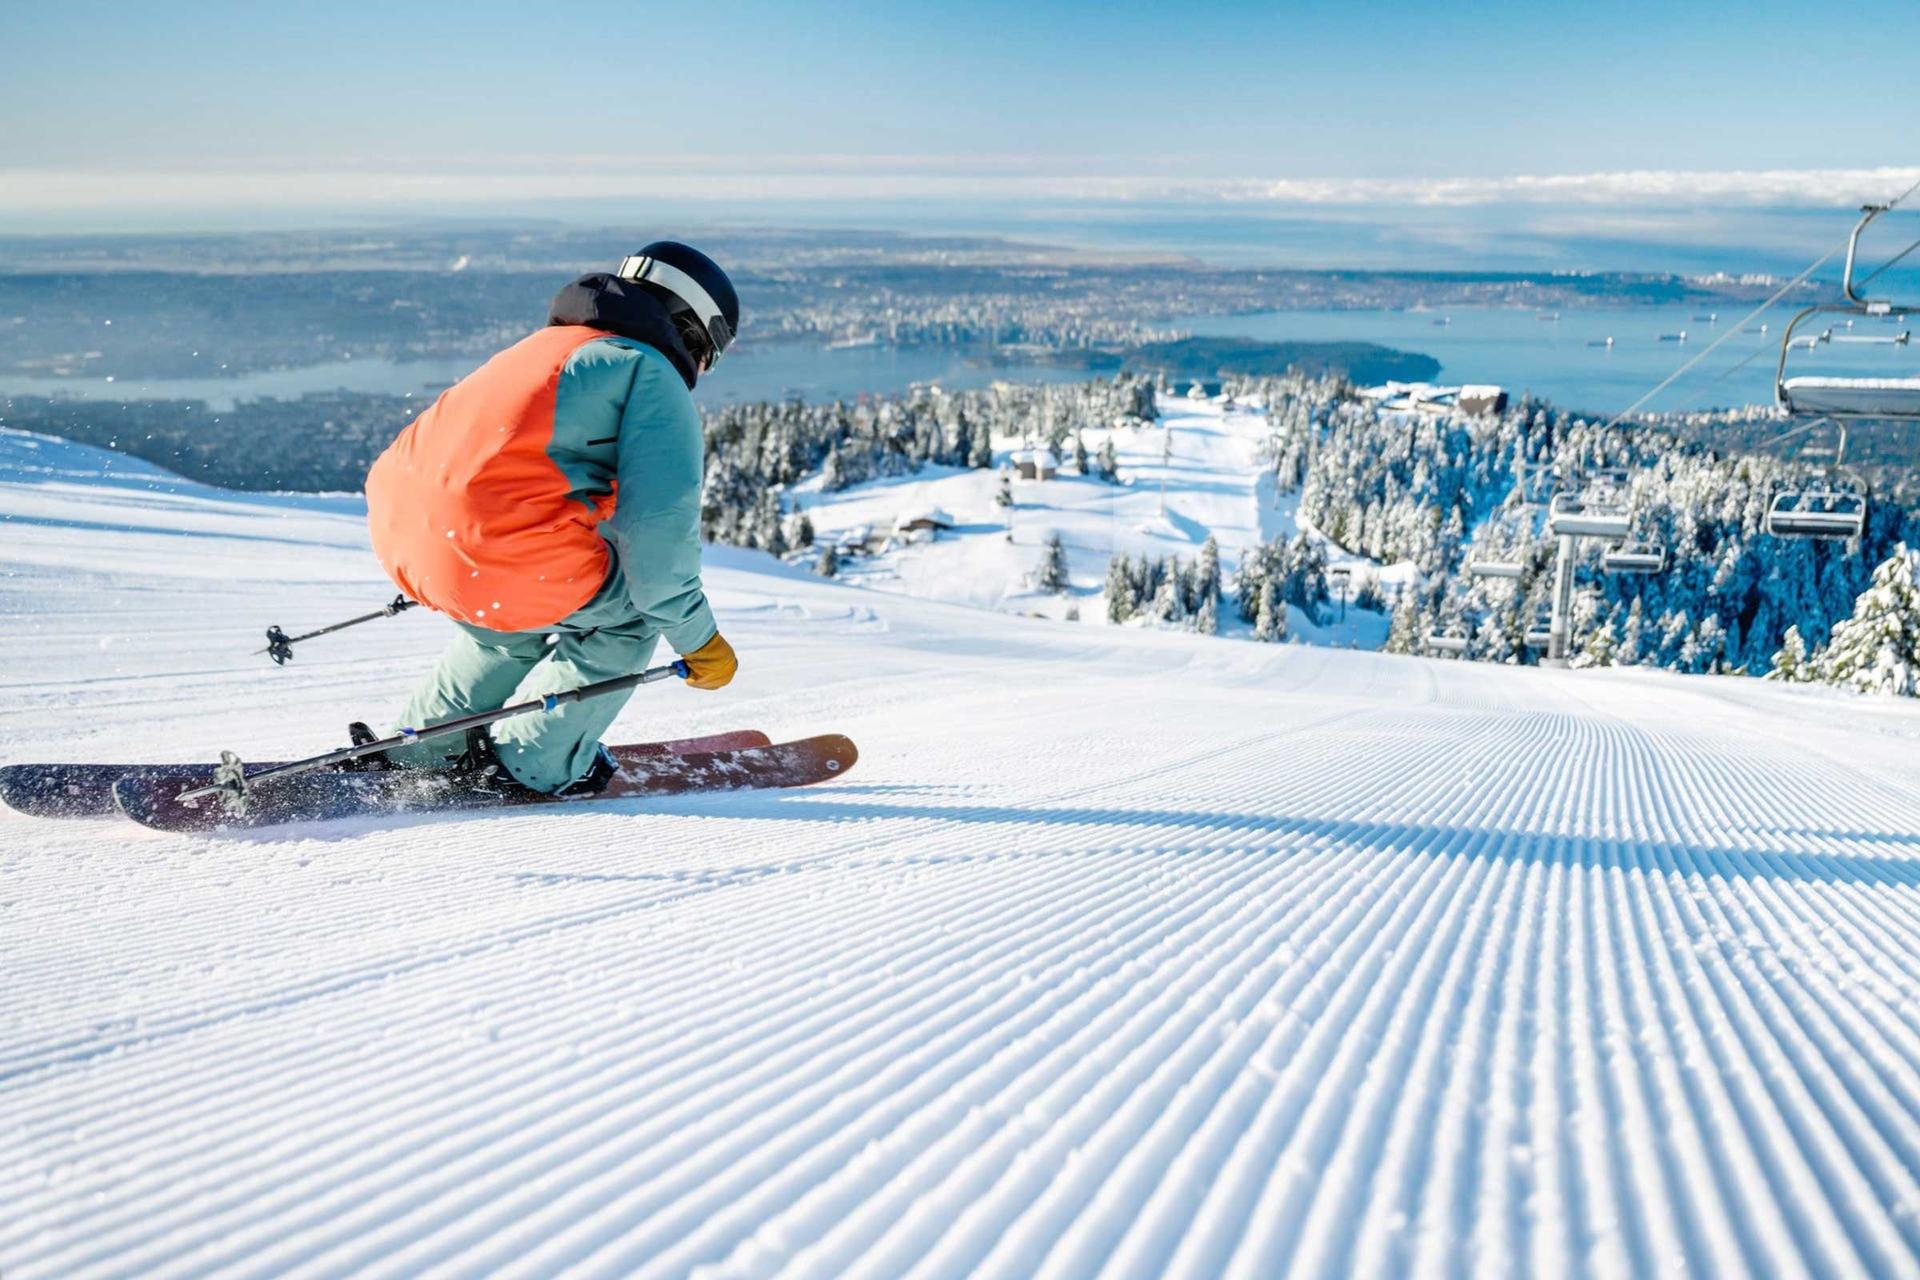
1564 355
750 372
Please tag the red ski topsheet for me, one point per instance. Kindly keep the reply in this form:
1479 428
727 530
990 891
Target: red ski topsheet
86 790
153 799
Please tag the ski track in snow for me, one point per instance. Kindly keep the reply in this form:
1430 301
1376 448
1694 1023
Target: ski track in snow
1120 953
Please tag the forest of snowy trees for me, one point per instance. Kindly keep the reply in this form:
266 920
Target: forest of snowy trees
754 451
1439 490
1435 490
1877 649
1170 591
1167 590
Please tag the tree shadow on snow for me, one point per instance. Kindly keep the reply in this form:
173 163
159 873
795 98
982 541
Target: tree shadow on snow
1186 833
1179 832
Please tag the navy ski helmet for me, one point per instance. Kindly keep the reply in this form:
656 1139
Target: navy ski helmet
688 280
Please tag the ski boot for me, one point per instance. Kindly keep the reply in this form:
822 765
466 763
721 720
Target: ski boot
478 769
360 735
600 773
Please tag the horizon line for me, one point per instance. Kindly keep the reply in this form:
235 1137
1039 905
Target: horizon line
57 191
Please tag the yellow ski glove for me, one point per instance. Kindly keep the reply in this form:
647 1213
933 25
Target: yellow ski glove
712 664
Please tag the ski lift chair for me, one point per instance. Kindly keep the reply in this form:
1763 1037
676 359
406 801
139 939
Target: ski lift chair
1823 511
1634 557
1458 637
1539 634
1496 568
1895 399
1836 506
1579 516
1832 507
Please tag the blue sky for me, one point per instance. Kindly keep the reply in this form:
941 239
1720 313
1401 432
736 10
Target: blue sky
118 110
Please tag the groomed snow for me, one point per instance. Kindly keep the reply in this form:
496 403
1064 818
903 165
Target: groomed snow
1121 953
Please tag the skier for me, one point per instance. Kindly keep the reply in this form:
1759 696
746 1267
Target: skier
549 504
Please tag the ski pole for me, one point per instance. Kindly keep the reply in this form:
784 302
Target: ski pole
231 781
280 644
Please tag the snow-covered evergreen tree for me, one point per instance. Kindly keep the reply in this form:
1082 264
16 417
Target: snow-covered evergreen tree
1270 619
1597 651
980 454
1632 647
1053 566
1367 594
1207 571
1877 650
1169 602
1790 660
1676 647
1122 601
829 565
1407 629
1207 619
769 533
1710 645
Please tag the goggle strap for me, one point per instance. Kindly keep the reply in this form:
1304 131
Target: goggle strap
638 267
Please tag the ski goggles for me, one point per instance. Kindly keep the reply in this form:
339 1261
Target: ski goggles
638 267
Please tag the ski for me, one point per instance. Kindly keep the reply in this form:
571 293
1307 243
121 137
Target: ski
152 799
86 790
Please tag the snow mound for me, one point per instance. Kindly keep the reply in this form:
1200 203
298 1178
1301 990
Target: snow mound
1122 952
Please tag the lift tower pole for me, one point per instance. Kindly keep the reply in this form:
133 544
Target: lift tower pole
1562 624
1569 519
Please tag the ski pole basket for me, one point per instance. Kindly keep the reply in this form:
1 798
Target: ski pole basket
280 644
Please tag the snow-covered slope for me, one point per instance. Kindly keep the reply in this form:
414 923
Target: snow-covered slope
1194 473
1121 953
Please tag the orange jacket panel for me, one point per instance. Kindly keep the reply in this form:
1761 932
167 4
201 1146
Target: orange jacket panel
469 513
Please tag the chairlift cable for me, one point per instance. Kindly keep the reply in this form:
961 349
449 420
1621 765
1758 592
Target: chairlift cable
1765 349
1715 345
1888 263
1751 316
1791 432
1891 206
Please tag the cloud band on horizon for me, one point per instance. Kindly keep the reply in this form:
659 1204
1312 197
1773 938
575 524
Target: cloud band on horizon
49 191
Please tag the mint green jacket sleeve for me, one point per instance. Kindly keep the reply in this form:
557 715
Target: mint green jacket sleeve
655 526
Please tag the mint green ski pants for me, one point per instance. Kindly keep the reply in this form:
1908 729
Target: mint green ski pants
483 670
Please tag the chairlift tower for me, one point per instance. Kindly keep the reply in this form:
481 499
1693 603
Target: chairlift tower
1562 624
1571 517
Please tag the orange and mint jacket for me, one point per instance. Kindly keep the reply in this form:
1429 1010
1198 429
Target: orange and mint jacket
505 503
